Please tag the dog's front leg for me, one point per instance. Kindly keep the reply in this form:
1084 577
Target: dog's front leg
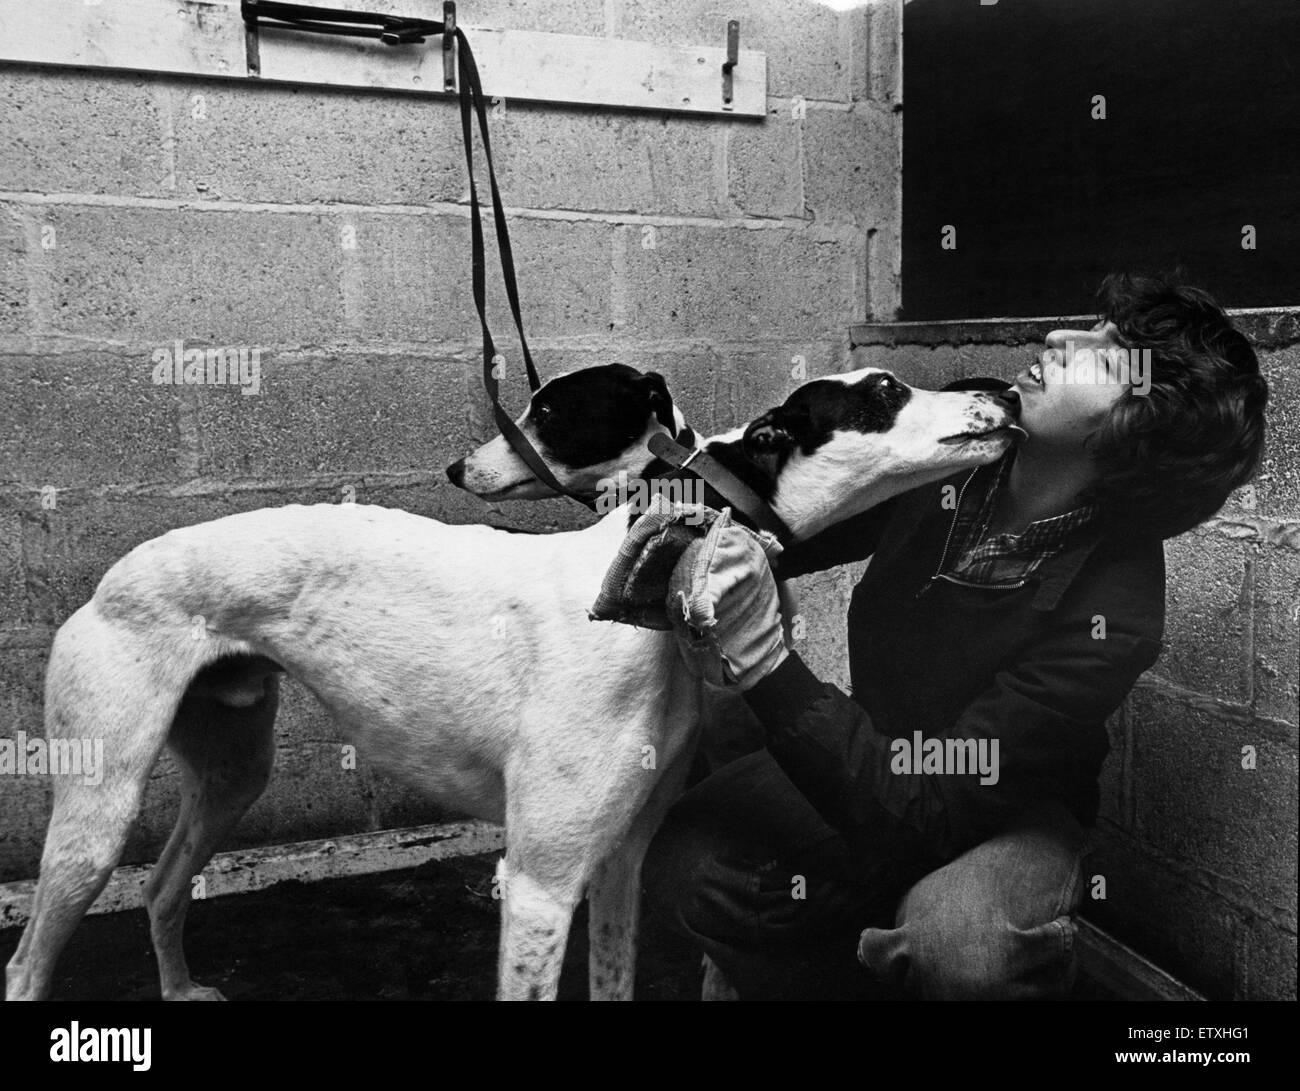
613 923
614 892
534 930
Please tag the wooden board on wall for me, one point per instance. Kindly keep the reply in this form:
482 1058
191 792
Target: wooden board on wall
206 38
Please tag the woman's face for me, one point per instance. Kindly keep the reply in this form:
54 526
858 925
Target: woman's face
1068 391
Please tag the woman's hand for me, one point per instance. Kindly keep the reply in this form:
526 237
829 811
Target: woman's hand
724 606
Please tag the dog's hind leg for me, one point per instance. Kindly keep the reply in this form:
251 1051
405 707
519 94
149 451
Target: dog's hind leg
225 755
97 695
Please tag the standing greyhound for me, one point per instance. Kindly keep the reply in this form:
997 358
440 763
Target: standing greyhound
458 658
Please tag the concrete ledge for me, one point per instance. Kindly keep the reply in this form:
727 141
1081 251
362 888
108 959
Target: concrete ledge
1120 970
1267 328
247 870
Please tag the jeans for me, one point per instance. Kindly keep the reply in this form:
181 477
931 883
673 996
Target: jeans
745 868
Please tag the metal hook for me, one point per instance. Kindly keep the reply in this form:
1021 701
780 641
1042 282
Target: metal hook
448 44
729 65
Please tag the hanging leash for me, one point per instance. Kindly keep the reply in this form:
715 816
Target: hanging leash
397 30
400 30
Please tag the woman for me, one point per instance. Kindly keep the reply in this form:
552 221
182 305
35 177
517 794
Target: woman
934 821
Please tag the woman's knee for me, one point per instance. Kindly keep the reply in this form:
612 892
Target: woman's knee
991 960
996 923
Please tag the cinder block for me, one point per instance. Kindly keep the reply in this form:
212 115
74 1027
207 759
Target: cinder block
1278 483
67 551
1207 620
608 161
86 418
806 43
24 800
1277 635
738 284
279 142
393 805
1182 927
69 131
13 595
876 59
692 376
1270 972
917 365
716 388
823 610
408 278
1195 802
851 166
884 272
13 270
931 367
1114 806
764 161
334 413
220 277
564 278
310 794
753 378
413 277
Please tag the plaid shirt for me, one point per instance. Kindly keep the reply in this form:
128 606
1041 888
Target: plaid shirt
1005 561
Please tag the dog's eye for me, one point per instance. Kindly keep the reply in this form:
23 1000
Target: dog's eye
542 412
886 383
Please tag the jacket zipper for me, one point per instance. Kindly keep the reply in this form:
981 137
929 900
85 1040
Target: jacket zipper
947 541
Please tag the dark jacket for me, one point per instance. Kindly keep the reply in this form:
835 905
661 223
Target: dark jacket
1025 666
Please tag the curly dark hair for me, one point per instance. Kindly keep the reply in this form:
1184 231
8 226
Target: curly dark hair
1168 459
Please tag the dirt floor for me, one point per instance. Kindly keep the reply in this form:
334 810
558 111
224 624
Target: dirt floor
425 934
429 933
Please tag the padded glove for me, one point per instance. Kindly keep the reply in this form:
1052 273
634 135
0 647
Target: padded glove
724 606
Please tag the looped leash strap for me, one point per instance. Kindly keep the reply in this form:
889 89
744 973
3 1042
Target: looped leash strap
744 499
471 105
398 30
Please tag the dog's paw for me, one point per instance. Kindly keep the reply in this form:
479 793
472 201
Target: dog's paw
194 992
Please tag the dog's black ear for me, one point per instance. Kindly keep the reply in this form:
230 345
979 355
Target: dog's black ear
768 439
660 401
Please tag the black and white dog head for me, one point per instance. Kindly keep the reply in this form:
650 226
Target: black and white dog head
836 447
840 445
588 425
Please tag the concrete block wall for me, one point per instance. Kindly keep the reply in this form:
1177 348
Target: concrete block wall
137 209
1196 839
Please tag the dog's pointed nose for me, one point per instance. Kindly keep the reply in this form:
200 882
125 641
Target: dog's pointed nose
456 473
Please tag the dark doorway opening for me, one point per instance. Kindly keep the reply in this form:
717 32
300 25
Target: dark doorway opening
1201 139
